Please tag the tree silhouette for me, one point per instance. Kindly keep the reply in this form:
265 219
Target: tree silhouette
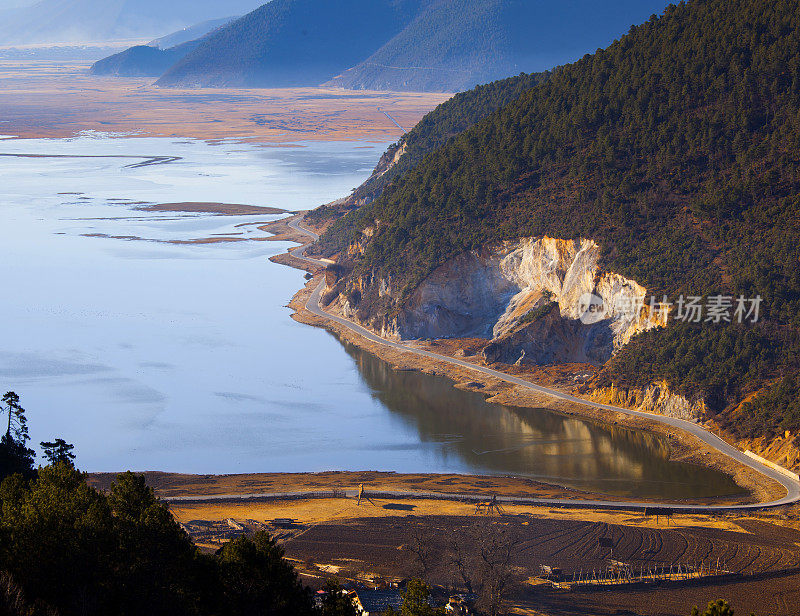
416 600
715 608
58 451
17 422
336 601
15 457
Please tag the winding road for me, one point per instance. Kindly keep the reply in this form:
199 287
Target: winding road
791 486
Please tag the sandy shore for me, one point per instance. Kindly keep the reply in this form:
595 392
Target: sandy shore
228 209
171 485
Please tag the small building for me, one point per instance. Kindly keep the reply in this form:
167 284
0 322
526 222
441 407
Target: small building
550 571
457 606
375 602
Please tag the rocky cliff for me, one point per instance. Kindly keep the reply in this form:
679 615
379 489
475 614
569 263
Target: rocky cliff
656 398
529 298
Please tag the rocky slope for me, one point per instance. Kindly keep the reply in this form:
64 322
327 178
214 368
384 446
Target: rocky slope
656 398
529 298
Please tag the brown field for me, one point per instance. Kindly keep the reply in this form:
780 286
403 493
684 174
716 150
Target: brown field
375 543
173 484
359 543
45 98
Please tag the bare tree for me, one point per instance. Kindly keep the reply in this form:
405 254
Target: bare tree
421 547
482 559
460 552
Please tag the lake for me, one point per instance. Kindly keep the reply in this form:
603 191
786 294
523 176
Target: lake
153 355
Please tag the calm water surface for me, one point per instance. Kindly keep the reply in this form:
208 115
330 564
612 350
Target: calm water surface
182 357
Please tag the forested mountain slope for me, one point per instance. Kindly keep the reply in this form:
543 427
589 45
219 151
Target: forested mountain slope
433 131
677 150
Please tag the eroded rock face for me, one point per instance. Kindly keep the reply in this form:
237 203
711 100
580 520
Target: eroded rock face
656 398
499 293
462 298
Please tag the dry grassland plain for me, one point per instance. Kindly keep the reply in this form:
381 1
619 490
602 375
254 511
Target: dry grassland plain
59 98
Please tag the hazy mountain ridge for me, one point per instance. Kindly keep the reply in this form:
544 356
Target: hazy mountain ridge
142 61
453 45
191 33
291 43
76 21
153 59
415 45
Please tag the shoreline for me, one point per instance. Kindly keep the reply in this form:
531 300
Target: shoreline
198 489
683 446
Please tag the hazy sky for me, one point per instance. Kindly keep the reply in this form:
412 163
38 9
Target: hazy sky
12 4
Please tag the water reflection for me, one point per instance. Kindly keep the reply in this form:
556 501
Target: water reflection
489 438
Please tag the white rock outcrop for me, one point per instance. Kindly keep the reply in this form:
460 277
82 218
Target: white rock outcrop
488 293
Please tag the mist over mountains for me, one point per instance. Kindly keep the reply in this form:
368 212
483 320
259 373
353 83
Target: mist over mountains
79 21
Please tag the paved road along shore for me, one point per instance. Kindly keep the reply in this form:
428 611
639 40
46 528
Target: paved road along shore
791 486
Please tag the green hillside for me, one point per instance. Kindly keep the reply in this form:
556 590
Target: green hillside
449 119
676 149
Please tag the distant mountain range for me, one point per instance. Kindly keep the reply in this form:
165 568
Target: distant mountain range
191 33
416 45
79 21
453 45
292 43
142 60
159 55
